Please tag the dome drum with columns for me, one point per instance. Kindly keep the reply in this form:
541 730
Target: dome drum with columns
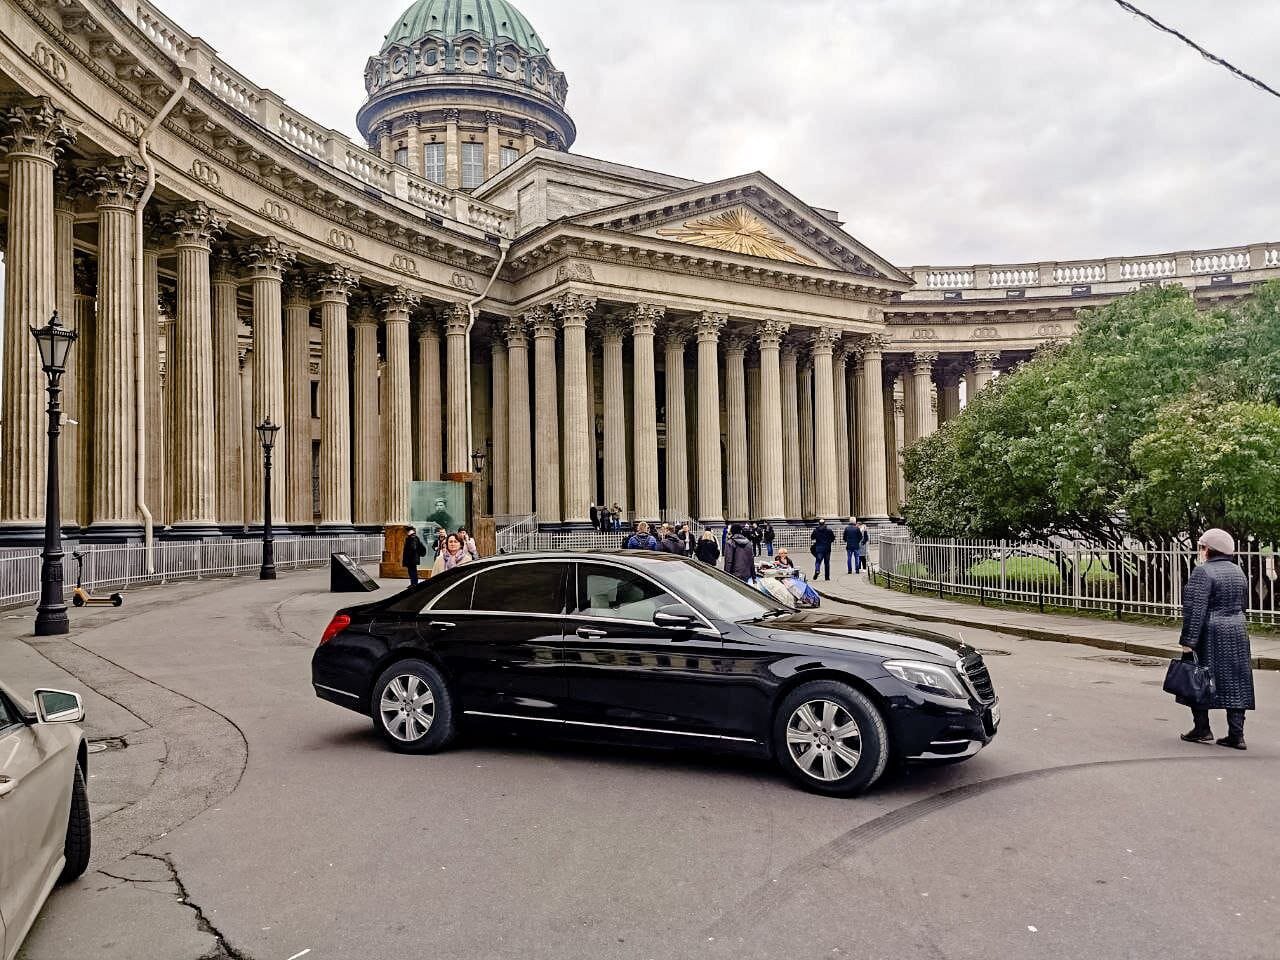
713 351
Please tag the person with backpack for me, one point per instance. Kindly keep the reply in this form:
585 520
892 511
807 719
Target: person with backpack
641 539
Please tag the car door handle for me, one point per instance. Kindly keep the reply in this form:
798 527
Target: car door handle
586 633
7 786
441 625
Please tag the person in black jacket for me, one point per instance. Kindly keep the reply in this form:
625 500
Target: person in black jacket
669 541
822 538
414 551
707 550
767 534
853 546
739 557
1213 625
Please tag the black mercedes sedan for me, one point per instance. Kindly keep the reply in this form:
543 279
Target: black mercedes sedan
658 650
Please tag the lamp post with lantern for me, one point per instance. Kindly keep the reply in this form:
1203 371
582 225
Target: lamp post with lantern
267 437
54 343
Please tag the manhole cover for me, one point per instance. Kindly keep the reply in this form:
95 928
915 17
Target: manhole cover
1130 661
107 743
996 653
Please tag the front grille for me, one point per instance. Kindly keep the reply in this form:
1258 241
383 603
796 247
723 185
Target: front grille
979 678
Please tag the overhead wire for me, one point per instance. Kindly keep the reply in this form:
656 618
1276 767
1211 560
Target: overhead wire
1211 57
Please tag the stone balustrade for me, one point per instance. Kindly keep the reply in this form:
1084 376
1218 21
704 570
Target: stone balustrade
1227 266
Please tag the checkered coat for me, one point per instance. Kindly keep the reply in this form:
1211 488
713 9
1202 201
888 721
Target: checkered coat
1213 624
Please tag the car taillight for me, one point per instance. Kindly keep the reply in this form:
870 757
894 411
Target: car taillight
339 623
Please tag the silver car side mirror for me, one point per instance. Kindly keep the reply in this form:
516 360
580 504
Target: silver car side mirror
58 706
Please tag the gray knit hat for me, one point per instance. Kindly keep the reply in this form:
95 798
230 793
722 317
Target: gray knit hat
1219 540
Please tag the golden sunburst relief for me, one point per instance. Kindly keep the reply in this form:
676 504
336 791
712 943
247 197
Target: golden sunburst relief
737 231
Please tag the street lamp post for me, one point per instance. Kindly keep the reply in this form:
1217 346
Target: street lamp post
267 436
54 342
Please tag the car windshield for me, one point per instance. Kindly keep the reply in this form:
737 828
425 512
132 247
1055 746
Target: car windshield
718 594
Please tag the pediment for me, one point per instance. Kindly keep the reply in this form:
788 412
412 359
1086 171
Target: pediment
747 216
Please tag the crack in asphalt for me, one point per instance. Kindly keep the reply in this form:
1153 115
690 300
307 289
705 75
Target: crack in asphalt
768 898
223 950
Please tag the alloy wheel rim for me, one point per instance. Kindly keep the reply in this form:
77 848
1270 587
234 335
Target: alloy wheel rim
408 708
823 740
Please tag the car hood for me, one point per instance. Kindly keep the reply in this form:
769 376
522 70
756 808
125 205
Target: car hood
857 635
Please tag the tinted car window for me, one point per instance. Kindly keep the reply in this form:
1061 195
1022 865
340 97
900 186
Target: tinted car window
719 594
521 588
456 598
605 591
7 714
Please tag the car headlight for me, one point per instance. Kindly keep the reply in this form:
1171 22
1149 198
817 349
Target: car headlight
929 677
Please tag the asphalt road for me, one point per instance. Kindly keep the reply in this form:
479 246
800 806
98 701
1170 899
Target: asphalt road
247 819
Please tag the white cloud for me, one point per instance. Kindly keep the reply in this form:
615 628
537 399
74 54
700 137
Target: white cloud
944 131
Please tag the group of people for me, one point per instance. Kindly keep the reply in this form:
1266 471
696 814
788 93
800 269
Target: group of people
669 538
450 550
605 518
856 537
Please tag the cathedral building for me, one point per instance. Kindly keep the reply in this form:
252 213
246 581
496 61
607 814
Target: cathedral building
460 282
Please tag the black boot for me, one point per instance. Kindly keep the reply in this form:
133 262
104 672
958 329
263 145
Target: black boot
1234 741
1197 735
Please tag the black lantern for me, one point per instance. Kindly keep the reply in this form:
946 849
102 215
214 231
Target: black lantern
478 460
267 437
54 343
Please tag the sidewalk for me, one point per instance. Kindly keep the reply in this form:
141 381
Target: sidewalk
1145 639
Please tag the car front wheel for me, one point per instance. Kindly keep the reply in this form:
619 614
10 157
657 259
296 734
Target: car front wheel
830 739
79 831
412 708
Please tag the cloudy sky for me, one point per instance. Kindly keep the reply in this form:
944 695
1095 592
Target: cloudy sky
943 131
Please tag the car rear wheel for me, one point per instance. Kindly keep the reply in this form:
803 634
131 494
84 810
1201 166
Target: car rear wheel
79 832
830 739
412 708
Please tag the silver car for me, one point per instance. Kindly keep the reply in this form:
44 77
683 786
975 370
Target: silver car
44 806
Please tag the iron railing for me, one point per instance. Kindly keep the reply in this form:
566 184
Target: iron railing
1134 579
109 568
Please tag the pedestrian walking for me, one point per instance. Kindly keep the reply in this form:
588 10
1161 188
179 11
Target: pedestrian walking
768 537
641 538
453 555
822 538
707 550
853 546
739 559
412 554
864 555
757 537
1213 629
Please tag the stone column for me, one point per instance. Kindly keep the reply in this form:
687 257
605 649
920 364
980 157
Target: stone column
333 289
826 483
710 479
519 454
984 362
920 384
593 439
367 479
33 137
677 425
735 396
265 262
413 141
452 152
430 413
871 455
86 364
64 255
546 415
840 395
644 319
116 188
615 413
754 444
574 310
384 141
397 411
773 428
492 142
790 407
248 438
894 414
458 381
158 402
501 379
808 500
191 466
293 457
948 394
858 440
228 476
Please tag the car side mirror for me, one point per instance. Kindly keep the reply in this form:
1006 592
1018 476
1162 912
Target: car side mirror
58 706
675 616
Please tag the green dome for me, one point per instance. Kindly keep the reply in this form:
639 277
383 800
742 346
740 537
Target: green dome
493 19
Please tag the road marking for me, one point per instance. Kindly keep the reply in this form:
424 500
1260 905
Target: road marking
302 954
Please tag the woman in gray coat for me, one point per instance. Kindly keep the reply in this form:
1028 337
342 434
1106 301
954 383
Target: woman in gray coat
1213 625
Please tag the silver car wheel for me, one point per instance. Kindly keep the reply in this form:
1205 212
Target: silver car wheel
407 707
823 740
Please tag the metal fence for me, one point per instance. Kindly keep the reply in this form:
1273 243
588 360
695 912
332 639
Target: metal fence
1136 579
109 568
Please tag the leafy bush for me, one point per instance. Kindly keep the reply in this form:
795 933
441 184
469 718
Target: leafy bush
1019 571
916 570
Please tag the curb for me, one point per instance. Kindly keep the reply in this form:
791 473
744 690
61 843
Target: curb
1031 633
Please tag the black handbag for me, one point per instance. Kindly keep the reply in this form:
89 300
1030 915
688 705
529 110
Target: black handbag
1189 681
